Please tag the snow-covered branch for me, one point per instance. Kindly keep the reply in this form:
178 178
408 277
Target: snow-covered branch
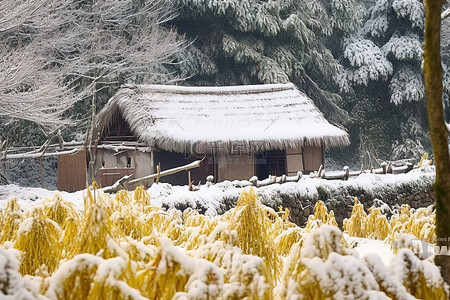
445 13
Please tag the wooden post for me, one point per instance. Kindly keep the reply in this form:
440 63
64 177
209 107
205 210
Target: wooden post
158 170
319 172
189 180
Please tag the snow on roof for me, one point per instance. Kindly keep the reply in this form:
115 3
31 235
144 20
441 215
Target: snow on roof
266 117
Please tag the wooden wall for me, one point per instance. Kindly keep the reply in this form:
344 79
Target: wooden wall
294 161
231 167
109 176
72 172
312 158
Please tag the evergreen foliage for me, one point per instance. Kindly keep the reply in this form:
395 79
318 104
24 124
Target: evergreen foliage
383 80
250 42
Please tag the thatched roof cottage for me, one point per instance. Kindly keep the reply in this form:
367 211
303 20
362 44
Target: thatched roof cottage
241 130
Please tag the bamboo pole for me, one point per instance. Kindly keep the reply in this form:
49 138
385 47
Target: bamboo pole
192 165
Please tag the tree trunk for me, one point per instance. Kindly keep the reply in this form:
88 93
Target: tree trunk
438 129
90 153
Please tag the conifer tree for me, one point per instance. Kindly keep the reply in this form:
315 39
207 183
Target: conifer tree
383 74
251 42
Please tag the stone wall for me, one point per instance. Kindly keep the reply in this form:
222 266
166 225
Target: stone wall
386 191
342 205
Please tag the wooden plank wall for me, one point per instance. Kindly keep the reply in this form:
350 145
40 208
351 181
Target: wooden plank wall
109 176
312 158
72 172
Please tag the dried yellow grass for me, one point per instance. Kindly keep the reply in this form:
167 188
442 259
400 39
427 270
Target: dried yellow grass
320 212
141 196
253 226
58 209
421 223
245 275
123 248
11 217
128 220
377 224
73 280
285 241
419 277
111 281
357 224
298 278
38 240
96 235
321 216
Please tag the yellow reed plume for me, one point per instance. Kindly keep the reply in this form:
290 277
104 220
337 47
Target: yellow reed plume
253 226
73 279
38 240
377 224
421 278
10 220
357 224
96 235
320 217
59 209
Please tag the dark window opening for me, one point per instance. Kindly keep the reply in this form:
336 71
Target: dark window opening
271 163
128 162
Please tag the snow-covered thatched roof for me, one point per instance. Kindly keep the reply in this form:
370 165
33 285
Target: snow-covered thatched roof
258 117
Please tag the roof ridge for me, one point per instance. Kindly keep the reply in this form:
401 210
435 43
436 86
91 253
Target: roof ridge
222 90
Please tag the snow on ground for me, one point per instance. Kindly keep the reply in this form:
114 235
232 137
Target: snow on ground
365 246
28 196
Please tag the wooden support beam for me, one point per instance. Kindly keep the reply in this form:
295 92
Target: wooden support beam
192 165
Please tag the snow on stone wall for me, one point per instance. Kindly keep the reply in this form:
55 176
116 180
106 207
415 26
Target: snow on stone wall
386 191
